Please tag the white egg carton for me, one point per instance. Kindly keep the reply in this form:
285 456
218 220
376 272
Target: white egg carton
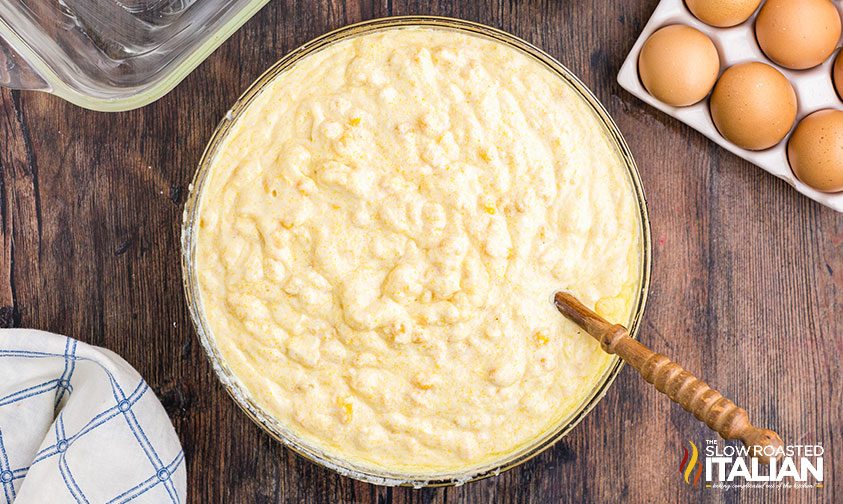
814 90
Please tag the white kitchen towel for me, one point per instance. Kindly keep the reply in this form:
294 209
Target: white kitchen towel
79 424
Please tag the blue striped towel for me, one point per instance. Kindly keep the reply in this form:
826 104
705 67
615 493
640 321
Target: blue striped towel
79 424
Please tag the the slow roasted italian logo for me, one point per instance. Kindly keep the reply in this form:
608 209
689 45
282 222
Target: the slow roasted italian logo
686 467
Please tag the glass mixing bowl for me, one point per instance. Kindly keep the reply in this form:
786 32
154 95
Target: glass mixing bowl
230 382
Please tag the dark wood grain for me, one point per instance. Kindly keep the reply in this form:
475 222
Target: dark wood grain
747 286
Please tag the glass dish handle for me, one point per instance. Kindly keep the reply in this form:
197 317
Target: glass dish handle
15 72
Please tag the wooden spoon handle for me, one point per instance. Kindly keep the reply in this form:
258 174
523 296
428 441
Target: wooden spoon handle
719 413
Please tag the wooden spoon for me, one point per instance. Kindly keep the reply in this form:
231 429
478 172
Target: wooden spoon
720 414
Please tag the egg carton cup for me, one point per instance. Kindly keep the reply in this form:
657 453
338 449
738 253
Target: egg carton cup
814 90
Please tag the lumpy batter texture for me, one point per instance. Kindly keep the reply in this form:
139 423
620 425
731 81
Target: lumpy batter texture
380 236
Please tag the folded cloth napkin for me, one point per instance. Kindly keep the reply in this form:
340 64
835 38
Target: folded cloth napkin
79 424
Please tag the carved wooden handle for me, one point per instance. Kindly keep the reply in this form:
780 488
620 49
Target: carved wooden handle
719 413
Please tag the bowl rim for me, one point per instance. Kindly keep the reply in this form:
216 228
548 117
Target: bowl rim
229 380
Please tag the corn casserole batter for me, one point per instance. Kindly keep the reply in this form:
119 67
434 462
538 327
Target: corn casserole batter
380 235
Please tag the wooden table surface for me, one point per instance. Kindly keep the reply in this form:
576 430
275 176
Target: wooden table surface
747 284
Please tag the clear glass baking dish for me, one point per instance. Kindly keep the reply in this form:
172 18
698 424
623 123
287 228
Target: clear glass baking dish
111 55
227 377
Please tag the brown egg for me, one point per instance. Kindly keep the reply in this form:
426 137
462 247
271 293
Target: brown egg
678 65
837 74
722 13
753 105
798 34
815 150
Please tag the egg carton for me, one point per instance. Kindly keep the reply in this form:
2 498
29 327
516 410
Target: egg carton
814 90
